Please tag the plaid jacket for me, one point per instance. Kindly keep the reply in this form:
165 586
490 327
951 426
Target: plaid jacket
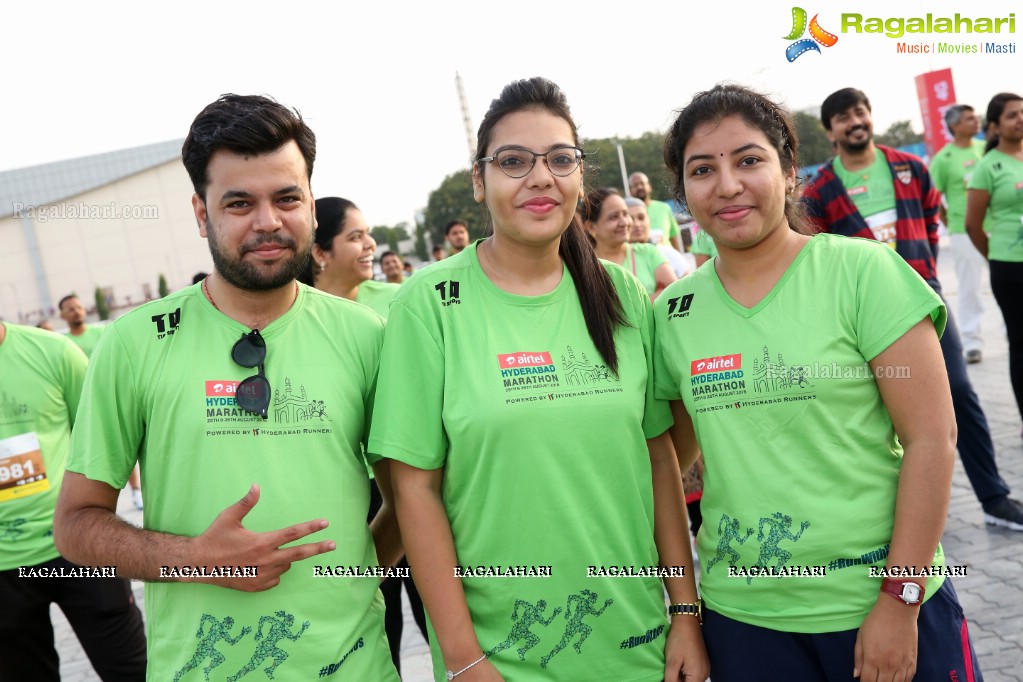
916 204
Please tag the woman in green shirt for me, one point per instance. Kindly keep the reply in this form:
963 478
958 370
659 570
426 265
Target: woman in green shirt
996 189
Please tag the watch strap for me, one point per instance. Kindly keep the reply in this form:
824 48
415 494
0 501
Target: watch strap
903 590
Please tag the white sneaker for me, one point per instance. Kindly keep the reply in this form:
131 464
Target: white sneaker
136 498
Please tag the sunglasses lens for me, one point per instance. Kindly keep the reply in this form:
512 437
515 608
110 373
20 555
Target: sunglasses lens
249 351
253 394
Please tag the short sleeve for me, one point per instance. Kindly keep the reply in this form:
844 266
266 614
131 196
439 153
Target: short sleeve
939 172
109 428
409 404
657 413
666 373
982 177
891 298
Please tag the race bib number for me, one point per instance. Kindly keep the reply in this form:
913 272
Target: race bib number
883 226
22 472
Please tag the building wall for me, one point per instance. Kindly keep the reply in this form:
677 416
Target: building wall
121 236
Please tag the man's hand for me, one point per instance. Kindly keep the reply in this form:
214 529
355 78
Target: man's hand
227 543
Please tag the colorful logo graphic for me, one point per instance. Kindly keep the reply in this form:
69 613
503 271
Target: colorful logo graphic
818 35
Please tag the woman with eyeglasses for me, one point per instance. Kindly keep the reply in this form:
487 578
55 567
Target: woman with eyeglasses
808 372
342 259
607 219
532 470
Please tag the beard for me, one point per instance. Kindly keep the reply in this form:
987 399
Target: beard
856 146
251 277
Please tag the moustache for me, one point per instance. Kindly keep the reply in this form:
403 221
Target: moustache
275 240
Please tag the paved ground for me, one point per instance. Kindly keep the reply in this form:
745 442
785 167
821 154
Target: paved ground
991 593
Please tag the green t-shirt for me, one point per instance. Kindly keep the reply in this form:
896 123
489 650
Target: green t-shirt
873 194
703 245
41 377
376 295
1001 176
802 460
662 218
545 464
88 339
951 170
160 387
642 260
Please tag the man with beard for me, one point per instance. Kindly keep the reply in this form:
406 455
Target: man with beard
875 192
457 235
662 218
242 379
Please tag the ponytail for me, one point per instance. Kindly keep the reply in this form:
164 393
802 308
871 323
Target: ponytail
602 309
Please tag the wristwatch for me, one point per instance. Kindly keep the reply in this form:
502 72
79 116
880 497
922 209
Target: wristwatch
906 591
687 609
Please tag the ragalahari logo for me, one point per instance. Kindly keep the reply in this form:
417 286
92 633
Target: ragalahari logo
818 35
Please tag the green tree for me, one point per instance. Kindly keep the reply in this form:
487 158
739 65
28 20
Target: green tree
102 307
421 250
380 234
162 286
899 134
453 199
401 231
814 145
392 240
643 154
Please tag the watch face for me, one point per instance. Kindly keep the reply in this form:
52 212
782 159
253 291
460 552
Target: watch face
911 593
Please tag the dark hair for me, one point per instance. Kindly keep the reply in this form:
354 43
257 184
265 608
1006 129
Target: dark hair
839 101
757 111
243 124
954 114
198 277
385 254
451 225
330 222
436 247
995 109
64 300
593 204
601 307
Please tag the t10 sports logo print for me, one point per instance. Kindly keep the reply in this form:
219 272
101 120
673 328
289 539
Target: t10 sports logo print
818 35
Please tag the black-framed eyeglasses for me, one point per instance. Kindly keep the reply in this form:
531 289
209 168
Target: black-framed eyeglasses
252 394
517 162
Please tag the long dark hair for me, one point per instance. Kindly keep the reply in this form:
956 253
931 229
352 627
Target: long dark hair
995 109
602 309
330 222
759 112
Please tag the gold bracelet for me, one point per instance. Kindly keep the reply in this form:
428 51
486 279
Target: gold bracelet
687 609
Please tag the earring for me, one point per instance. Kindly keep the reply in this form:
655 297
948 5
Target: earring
322 266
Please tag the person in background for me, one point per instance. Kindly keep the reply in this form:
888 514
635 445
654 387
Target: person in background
393 267
342 262
607 220
680 263
457 235
996 191
951 169
662 218
41 376
86 336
